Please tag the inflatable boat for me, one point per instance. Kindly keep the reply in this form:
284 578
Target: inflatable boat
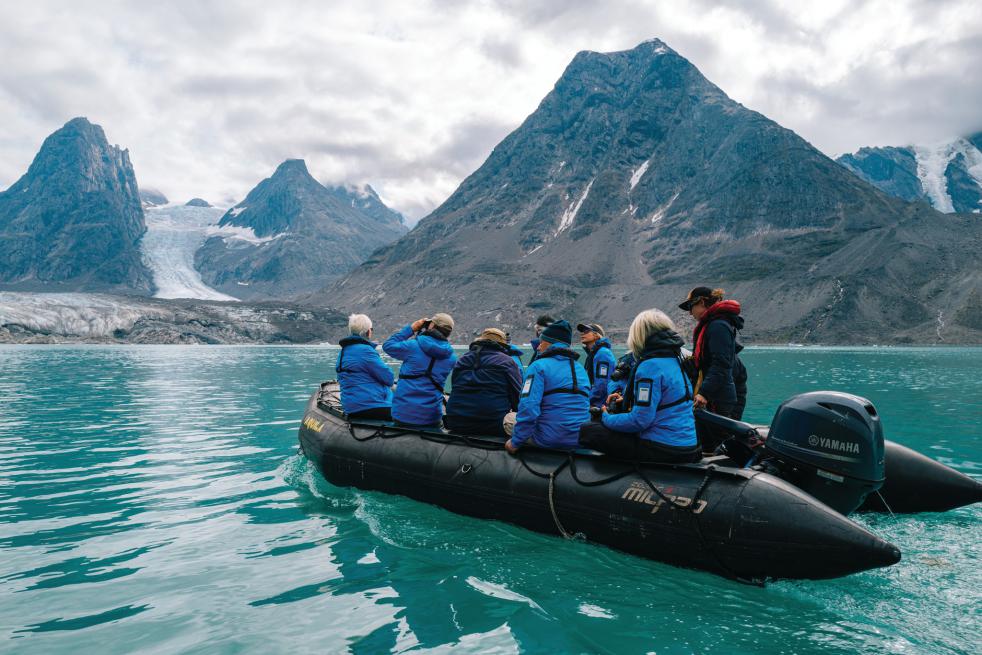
739 522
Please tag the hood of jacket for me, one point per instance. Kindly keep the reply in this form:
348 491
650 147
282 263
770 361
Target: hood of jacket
435 345
603 342
488 345
662 341
353 339
515 350
559 350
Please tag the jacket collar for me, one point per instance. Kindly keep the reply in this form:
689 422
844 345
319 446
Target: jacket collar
356 338
559 350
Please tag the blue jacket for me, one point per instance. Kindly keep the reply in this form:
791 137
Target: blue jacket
534 344
549 417
599 365
516 355
426 362
484 385
656 412
366 382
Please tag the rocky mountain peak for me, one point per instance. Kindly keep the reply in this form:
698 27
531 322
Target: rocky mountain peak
635 179
75 218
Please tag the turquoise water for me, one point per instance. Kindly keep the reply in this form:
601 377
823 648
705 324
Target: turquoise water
152 500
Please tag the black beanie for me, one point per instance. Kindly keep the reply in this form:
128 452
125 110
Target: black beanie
558 332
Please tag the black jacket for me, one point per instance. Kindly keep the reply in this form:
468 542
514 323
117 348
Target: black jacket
724 378
485 384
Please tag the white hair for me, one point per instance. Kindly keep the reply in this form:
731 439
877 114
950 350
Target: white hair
644 325
359 324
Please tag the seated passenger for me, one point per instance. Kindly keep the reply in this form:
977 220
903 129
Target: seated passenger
427 358
484 387
366 382
657 424
618 382
555 395
599 363
541 323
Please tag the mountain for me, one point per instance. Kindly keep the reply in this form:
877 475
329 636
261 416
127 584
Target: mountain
946 175
365 199
74 220
152 198
197 202
637 179
290 236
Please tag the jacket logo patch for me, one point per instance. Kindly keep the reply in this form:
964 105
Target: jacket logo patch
644 393
603 370
527 387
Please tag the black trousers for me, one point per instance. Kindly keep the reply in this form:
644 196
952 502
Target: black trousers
490 428
625 445
374 414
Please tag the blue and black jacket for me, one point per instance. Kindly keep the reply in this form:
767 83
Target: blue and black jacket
659 396
554 401
600 363
426 363
626 363
484 385
516 355
366 382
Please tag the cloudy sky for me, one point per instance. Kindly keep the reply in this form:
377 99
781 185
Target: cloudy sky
412 96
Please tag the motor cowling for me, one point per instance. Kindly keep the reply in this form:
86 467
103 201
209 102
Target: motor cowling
829 444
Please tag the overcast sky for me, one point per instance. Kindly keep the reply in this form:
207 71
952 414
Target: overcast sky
412 96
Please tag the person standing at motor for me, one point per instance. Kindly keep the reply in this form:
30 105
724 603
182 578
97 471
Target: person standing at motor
555 395
721 385
541 324
427 359
600 362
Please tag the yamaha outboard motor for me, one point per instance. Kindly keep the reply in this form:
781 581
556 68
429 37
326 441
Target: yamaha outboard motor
830 445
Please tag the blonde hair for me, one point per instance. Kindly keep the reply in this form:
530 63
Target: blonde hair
644 325
717 295
359 325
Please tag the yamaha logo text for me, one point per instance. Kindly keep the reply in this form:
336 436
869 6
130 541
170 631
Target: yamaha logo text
833 444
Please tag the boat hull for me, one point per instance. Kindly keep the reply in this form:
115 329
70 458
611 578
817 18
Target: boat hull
737 523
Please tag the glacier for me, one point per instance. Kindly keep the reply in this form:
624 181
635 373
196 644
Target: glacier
932 162
174 233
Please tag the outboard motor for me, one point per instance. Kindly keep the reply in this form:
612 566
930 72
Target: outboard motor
830 445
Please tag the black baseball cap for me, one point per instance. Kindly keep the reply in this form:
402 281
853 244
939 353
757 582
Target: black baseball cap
697 294
590 327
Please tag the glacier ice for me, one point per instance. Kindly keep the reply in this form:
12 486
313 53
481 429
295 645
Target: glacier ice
173 235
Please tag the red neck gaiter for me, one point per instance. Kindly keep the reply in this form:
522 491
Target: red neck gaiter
714 312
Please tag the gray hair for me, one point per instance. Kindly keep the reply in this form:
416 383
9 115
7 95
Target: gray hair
644 325
359 324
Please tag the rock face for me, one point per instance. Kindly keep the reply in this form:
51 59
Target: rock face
948 175
152 198
366 200
197 202
290 236
637 179
74 220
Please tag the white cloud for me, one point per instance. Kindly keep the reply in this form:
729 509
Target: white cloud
210 96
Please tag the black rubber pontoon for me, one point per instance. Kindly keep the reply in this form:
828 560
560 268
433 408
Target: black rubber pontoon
738 523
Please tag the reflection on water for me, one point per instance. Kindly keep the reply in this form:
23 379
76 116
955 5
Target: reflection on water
152 499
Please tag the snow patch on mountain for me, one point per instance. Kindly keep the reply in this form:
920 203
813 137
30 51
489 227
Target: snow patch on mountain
238 233
639 173
173 235
570 214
